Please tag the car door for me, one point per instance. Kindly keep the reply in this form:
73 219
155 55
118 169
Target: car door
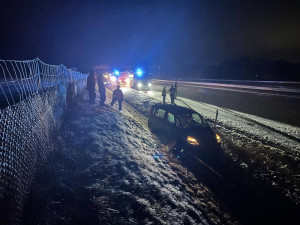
173 128
179 132
157 119
170 123
151 117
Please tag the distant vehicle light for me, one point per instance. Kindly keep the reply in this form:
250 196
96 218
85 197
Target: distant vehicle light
192 141
117 72
127 80
140 85
218 138
149 85
113 79
139 72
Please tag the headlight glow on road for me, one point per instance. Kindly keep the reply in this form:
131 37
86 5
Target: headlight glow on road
125 89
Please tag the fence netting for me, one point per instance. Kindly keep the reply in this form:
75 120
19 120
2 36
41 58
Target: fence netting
33 98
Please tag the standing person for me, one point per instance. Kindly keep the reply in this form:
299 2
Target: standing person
172 94
164 93
102 90
91 86
175 86
117 96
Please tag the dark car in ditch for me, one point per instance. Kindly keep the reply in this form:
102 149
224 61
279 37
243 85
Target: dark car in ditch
185 125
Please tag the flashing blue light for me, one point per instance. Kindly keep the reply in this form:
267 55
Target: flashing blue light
139 72
117 72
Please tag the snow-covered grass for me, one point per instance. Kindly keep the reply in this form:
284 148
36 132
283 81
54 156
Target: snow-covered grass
268 149
141 189
129 177
113 170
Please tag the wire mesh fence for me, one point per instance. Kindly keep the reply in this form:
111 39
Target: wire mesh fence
33 97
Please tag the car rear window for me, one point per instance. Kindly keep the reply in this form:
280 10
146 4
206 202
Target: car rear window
160 114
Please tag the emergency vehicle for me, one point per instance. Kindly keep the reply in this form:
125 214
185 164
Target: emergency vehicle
141 81
125 79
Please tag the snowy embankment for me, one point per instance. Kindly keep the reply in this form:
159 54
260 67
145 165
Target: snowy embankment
128 177
136 184
269 150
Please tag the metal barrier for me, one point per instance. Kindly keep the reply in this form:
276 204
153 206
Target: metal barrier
33 97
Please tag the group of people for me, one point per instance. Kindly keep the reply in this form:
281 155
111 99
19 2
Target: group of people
117 93
91 87
172 91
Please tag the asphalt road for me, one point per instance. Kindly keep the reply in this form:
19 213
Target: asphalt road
275 103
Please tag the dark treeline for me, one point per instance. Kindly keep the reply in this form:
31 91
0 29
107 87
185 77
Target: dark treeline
253 69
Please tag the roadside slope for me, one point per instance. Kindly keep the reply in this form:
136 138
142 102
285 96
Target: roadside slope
112 170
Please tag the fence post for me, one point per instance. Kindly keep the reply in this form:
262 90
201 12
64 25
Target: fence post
39 76
216 118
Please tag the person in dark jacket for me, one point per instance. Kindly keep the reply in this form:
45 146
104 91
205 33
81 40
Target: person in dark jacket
172 94
102 90
91 86
164 93
117 96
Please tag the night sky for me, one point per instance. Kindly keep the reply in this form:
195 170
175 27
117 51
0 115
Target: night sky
175 35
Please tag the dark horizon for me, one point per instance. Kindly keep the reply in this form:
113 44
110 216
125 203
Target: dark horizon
178 36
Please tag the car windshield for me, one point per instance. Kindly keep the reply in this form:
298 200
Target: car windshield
192 120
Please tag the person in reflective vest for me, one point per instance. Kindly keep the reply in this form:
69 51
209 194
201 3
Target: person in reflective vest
117 96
